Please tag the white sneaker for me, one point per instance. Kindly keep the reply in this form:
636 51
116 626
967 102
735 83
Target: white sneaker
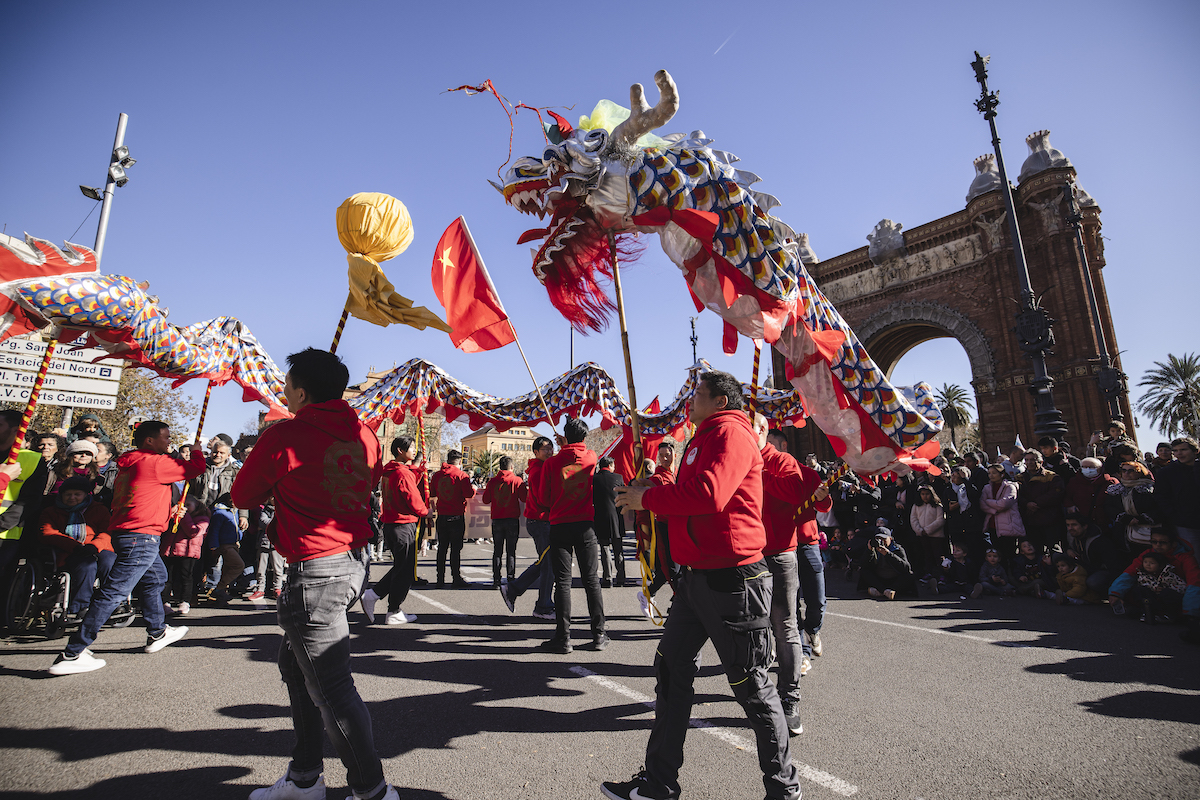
84 662
400 618
183 608
284 789
805 665
390 794
368 601
644 602
508 601
170 635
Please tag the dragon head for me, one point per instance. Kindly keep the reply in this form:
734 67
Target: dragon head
584 167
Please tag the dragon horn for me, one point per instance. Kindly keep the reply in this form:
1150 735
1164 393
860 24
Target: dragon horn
497 187
643 118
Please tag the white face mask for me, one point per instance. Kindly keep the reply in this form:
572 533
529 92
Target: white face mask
1090 472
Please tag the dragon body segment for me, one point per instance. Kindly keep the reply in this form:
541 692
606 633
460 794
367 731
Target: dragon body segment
737 259
125 320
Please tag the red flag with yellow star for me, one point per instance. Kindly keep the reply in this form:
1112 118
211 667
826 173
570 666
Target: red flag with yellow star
463 286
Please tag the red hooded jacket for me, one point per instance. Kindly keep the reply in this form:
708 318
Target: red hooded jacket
567 484
503 492
320 466
452 488
787 485
661 477
402 500
142 492
530 492
714 511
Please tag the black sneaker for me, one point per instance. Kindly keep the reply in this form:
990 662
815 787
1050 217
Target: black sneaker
792 715
634 789
600 644
555 646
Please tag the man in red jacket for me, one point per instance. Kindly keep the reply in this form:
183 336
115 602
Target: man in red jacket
723 593
786 486
537 522
502 493
320 467
566 485
140 511
450 489
403 506
809 564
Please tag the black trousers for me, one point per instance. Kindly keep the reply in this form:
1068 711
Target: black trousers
450 532
401 539
731 607
504 547
578 539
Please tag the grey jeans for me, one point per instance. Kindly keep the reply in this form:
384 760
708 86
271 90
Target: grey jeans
314 660
785 581
732 608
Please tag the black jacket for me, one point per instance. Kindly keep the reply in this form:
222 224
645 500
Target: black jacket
1177 489
608 521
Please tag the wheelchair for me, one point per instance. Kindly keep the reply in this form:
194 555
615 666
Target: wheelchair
39 596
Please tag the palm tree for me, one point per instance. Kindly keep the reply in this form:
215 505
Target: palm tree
956 407
1172 398
487 462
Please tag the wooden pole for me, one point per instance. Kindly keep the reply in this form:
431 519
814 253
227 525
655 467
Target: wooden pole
754 377
634 408
337 336
31 405
177 512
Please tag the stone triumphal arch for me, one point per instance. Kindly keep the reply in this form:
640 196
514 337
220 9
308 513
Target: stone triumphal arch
955 277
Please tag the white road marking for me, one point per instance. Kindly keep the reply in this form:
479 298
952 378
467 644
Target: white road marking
830 782
983 639
436 604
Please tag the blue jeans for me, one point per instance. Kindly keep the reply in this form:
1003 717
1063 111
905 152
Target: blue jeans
84 569
540 571
812 589
314 660
137 565
785 590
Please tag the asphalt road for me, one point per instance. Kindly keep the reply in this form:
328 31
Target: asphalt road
929 698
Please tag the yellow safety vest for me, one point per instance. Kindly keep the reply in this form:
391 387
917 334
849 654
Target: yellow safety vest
29 461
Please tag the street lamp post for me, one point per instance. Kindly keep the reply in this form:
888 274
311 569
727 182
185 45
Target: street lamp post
694 339
1111 379
118 162
1034 328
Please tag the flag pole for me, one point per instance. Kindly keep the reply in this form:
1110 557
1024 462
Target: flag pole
487 277
337 336
634 408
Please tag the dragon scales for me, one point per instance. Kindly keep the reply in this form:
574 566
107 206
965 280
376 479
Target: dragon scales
738 260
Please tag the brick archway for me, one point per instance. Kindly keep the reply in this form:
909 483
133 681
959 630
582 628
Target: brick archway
954 277
900 328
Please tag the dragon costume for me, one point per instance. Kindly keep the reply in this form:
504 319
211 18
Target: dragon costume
599 188
41 284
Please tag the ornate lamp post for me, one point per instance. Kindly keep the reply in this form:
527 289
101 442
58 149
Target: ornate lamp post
1111 379
1034 330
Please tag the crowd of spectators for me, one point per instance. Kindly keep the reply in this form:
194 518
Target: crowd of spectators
1118 527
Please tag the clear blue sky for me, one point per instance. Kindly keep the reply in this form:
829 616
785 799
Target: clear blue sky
252 122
